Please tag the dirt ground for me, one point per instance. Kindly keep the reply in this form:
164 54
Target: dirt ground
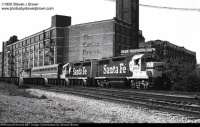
63 108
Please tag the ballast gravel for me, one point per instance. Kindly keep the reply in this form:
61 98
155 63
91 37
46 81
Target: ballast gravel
107 112
64 108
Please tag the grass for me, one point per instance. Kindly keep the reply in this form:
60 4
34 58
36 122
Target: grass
13 90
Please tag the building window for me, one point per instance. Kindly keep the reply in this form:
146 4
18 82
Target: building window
35 55
41 37
32 48
16 52
47 44
46 61
37 38
128 32
31 64
117 48
23 57
127 41
41 62
36 46
117 38
13 47
20 51
53 33
117 28
23 50
20 44
31 56
35 63
8 49
122 29
26 64
16 45
47 35
27 56
32 40
123 41
27 42
41 46
46 52
28 49
41 54
52 41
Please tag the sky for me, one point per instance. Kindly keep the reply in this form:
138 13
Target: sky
181 28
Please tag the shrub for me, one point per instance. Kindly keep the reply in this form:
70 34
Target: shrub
158 83
178 86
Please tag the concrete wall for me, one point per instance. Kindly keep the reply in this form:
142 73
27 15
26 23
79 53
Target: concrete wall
89 41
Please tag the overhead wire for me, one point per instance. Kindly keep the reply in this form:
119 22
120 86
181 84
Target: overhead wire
171 8
162 7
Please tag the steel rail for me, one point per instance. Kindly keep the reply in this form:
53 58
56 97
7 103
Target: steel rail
152 104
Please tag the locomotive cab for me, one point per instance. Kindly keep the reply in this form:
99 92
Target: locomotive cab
66 71
145 68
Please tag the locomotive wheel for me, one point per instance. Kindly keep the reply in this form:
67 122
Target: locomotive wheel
138 84
67 82
133 84
107 84
84 82
79 82
145 84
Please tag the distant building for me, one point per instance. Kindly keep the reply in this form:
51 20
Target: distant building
165 50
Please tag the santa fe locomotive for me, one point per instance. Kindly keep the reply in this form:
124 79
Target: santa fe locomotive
131 71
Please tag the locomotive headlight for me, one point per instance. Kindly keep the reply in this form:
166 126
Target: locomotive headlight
149 73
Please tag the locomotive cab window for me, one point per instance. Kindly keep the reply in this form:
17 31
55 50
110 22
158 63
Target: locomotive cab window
119 59
136 61
77 64
87 64
103 62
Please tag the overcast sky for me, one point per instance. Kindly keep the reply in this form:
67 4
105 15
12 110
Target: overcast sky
181 28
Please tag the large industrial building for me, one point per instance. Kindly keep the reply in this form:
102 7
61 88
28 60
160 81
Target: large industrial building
63 42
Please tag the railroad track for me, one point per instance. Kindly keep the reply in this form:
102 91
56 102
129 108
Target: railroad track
158 102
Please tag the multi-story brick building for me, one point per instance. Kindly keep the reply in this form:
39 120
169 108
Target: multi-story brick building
63 42
96 40
42 48
164 50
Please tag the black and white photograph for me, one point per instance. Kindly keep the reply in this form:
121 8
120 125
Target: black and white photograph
80 62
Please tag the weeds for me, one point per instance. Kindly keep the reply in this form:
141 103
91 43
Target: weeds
43 97
14 91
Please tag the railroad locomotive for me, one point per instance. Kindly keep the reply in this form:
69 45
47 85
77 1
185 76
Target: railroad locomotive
131 71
